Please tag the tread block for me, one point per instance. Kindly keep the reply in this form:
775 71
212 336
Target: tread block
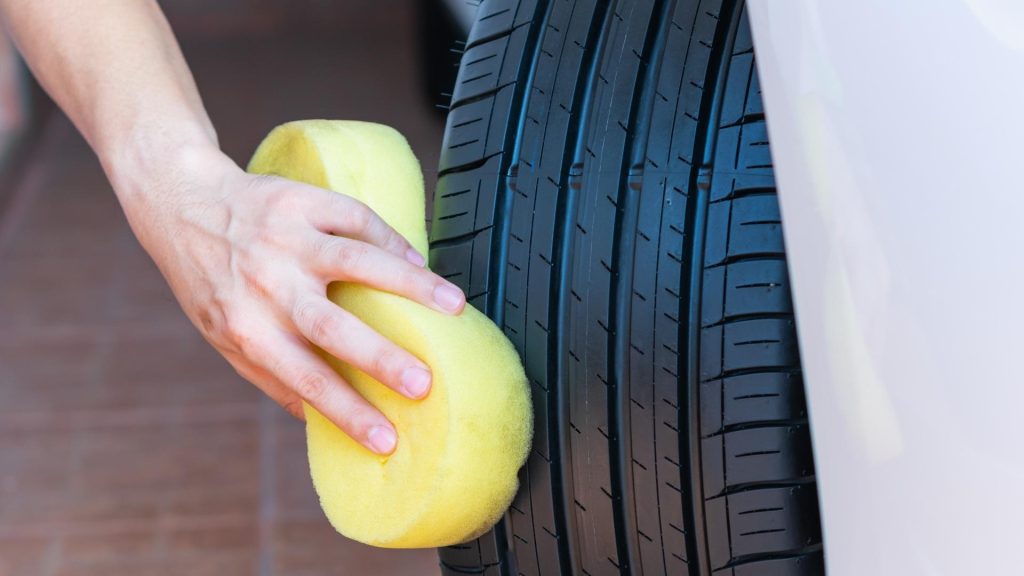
805 565
496 17
755 227
756 455
751 399
466 137
757 288
455 205
479 70
755 155
772 520
759 344
764 397
472 141
472 278
745 289
485 67
734 101
475 192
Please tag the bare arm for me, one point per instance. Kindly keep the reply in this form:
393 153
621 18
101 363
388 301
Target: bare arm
247 257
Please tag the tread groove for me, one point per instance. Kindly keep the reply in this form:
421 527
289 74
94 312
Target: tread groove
626 229
560 289
717 72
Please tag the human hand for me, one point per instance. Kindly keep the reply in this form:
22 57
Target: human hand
249 259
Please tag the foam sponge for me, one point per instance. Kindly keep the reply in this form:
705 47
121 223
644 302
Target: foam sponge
454 471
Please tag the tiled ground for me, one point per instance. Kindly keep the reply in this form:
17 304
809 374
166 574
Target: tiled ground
126 445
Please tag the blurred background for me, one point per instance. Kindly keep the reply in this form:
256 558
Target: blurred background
127 446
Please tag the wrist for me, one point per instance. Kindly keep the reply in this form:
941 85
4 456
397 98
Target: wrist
148 159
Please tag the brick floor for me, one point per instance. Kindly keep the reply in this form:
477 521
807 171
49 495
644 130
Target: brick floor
127 446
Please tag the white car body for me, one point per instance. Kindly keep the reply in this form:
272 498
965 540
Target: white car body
896 131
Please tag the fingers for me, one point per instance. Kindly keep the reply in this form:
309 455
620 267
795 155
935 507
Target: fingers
352 261
347 338
345 216
321 387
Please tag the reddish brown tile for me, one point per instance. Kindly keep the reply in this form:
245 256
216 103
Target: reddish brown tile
34 465
143 295
294 497
217 565
168 370
171 456
230 500
48 375
212 540
46 512
24 556
59 290
105 547
313 548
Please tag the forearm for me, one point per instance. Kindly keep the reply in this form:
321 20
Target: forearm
116 70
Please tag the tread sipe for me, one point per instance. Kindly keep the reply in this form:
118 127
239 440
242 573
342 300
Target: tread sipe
606 195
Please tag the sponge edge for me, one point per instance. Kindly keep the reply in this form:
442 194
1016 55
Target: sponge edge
455 469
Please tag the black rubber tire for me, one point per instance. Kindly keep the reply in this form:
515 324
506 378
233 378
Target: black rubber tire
606 195
440 41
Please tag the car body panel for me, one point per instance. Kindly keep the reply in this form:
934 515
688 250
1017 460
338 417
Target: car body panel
896 131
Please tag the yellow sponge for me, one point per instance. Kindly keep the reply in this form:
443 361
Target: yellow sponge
459 451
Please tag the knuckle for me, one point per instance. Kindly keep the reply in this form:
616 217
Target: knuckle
248 345
324 328
294 407
395 240
361 217
311 385
245 373
318 324
256 282
349 255
388 360
327 247
355 419
287 199
418 281
233 329
210 322
305 314
265 233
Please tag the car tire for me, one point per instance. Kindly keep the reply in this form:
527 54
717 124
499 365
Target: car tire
439 43
606 194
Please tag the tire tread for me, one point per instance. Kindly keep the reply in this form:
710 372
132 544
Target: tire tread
565 203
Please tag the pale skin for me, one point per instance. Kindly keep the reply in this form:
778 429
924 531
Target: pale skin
248 257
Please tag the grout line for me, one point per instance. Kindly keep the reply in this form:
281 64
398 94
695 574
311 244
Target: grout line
52 557
129 330
268 487
123 526
27 187
118 527
80 420
55 558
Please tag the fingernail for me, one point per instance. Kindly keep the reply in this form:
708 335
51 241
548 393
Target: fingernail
448 297
382 439
417 259
415 382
